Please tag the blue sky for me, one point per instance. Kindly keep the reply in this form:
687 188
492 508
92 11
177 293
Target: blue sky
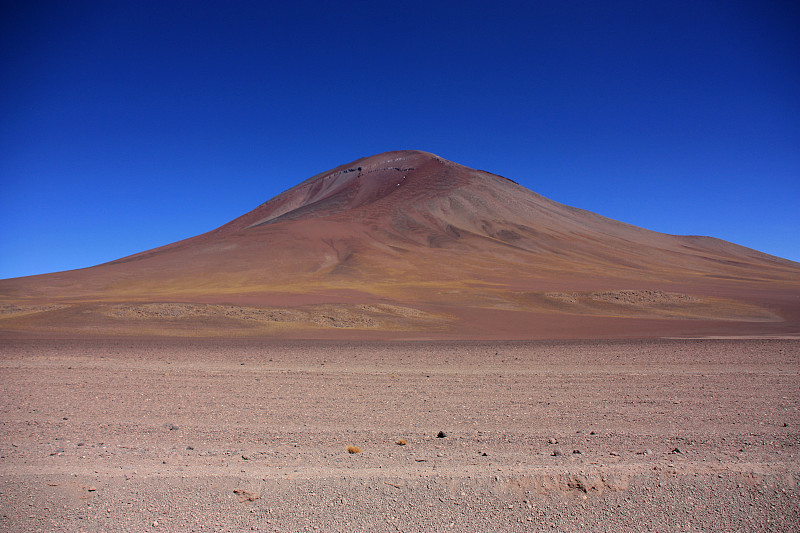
128 125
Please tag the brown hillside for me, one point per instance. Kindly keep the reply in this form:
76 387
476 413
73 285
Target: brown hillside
409 245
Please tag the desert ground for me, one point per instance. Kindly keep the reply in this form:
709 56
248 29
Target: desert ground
121 434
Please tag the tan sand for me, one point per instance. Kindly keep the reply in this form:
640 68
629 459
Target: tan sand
243 435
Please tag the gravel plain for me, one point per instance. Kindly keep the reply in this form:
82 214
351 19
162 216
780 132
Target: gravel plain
244 435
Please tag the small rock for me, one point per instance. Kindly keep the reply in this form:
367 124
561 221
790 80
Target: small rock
553 440
676 450
648 451
441 435
171 427
576 452
246 495
613 454
557 452
91 488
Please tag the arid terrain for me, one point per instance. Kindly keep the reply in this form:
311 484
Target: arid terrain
136 434
406 344
407 245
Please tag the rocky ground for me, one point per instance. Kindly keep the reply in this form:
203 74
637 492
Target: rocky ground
176 435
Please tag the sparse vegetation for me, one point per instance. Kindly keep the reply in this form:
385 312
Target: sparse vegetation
354 449
401 442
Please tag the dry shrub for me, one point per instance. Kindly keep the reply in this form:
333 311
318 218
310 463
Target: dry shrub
401 442
353 449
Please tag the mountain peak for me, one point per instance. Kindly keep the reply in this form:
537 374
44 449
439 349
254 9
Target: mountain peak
402 174
409 241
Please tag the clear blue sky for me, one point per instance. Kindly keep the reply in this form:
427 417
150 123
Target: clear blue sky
128 125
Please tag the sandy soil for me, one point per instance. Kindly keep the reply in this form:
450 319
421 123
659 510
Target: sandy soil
176 435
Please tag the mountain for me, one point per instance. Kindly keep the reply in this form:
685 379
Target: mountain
409 245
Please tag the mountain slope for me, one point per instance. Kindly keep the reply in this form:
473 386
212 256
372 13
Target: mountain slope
406 244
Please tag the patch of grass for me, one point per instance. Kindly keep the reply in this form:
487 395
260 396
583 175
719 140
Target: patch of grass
353 449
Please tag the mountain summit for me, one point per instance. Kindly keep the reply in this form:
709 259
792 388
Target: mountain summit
407 244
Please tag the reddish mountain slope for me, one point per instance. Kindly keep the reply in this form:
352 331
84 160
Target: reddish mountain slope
406 244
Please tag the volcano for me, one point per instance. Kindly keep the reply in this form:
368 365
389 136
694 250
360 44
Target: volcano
408 245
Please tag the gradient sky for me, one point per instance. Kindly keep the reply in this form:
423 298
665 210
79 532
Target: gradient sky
129 125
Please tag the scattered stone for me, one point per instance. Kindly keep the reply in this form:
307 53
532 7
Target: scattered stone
676 450
613 454
648 451
484 454
553 440
441 435
171 427
246 457
557 452
91 488
577 452
190 448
